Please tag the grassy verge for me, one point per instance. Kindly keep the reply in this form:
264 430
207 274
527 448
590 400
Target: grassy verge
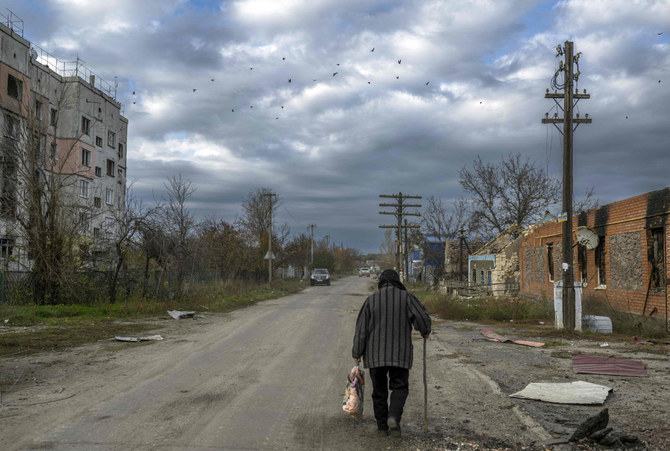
34 328
483 309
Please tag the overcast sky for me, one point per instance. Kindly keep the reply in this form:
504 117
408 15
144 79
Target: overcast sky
447 81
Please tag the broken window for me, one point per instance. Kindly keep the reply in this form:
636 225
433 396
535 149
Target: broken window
582 260
86 157
85 125
550 261
6 247
656 254
97 202
14 87
98 141
111 138
110 168
11 126
98 171
600 262
38 110
96 232
53 117
120 151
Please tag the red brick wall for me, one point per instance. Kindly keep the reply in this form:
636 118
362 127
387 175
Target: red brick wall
637 215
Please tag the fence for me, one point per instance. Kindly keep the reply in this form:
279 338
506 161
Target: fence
465 288
93 286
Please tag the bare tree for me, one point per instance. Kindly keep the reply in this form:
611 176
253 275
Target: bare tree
128 223
179 224
39 194
442 220
514 191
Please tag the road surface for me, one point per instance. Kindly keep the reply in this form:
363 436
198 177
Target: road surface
270 376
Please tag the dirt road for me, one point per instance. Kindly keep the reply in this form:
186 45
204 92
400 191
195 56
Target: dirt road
270 376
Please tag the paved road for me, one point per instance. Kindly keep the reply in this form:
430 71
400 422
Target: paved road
270 376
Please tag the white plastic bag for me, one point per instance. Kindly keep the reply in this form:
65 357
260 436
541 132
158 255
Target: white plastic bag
353 396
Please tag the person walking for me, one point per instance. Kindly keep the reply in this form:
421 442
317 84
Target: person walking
383 339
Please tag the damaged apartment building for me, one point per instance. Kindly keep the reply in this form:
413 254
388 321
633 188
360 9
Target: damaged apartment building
60 123
622 265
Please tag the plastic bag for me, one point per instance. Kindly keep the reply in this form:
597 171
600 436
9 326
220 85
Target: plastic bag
353 396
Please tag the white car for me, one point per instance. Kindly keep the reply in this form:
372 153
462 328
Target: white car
364 272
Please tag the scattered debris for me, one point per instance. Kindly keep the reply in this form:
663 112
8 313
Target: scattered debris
591 425
176 314
604 345
598 324
492 336
591 364
641 341
136 339
6 321
578 392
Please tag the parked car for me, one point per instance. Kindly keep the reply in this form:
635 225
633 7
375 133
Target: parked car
364 272
320 277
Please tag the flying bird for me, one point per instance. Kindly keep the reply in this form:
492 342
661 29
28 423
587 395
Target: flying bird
397 77
283 58
282 107
134 103
399 61
212 79
626 117
368 82
133 92
315 78
334 73
193 89
659 81
277 117
233 110
289 80
427 83
659 33
338 64
373 49
251 68
480 102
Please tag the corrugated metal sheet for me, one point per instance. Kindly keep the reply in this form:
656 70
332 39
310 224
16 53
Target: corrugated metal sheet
492 336
592 364
578 392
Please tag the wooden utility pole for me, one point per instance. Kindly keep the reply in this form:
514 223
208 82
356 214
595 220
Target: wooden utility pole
311 259
569 102
399 213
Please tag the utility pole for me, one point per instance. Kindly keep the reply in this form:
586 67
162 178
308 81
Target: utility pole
270 195
570 100
399 213
311 260
406 268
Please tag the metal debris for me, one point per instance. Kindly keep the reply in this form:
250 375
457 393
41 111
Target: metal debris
492 336
176 314
578 392
136 339
592 364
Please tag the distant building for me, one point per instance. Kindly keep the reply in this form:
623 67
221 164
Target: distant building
81 132
627 269
496 264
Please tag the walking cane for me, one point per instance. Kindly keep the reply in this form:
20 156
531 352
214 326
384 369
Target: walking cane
425 390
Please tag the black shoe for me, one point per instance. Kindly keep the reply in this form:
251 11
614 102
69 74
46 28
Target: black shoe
394 427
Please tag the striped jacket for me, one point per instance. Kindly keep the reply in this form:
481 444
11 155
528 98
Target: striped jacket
384 327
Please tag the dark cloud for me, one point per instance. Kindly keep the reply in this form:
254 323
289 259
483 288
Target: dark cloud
339 142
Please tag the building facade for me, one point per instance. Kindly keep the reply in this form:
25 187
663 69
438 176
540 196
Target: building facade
626 269
63 127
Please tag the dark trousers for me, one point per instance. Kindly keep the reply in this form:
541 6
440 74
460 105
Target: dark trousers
383 379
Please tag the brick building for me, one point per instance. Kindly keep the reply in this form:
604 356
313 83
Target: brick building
66 123
628 266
